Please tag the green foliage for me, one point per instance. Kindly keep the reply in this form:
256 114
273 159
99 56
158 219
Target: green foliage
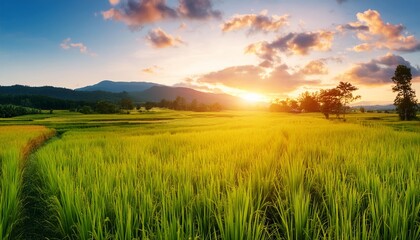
7 111
16 142
126 104
105 107
405 100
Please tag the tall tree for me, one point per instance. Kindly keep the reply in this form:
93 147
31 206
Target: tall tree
308 102
330 101
405 100
346 92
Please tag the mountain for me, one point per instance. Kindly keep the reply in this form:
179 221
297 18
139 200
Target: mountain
376 107
157 93
153 94
117 87
61 93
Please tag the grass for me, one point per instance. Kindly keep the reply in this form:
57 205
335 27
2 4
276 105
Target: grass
16 144
229 175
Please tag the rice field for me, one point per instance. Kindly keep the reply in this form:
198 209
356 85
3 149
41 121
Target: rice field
227 176
16 143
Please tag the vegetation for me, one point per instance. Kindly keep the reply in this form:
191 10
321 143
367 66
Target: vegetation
405 100
181 104
228 175
327 101
7 111
16 144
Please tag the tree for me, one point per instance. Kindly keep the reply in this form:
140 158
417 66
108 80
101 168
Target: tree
330 103
405 100
308 102
126 104
346 95
149 105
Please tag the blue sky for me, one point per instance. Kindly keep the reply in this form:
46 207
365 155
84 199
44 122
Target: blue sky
275 49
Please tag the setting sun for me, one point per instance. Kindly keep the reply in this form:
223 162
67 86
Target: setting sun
254 97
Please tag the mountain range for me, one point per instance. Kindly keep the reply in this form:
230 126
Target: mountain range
115 91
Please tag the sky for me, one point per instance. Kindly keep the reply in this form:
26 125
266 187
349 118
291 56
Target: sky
261 49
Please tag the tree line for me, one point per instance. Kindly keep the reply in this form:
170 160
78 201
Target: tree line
183 105
9 110
327 101
336 100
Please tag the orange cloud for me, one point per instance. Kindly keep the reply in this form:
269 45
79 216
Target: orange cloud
292 43
150 70
377 71
137 13
255 22
67 44
378 34
159 39
316 67
114 2
363 47
256 79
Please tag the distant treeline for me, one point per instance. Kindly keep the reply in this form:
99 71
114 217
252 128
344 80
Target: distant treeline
62 93
42 102
327 101
9 110
181 104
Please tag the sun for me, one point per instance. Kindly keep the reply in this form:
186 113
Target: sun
253 97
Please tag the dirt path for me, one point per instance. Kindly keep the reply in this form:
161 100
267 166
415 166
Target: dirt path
33 210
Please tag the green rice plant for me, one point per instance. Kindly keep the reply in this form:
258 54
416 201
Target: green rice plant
16 143
238 176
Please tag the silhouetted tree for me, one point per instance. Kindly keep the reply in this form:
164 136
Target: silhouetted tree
329 100
405 100
362 109
194 105
346 95
308 102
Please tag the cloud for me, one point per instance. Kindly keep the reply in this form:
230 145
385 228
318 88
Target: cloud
114 2
257 79
137 13
315 67
197 9
377 71
292 44
68 44
378 34
159 39
151 70
263 50
256 23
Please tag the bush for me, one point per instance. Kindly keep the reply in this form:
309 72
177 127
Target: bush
8 111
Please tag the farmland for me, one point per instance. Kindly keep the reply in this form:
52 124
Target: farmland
228 175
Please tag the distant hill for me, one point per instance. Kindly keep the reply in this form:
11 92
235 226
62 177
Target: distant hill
61 93
152 94
376 107
117 87
157 93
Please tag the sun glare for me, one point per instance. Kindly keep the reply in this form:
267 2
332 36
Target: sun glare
253 97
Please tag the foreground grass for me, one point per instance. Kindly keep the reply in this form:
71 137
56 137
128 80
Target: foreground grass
16 143
243 176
